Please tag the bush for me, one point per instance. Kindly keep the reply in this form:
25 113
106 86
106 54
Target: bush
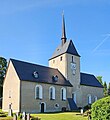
63 109
2 114
101 109
87 107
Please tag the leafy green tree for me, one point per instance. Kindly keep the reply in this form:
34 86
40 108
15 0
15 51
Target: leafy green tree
101 109
105 88
99 78
109 88
109 85
3 67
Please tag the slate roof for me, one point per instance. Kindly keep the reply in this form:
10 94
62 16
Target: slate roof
25 72
89 80
72 104
68 47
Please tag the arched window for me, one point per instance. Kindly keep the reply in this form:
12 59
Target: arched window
52 93
63 93
95 98
38 92
89 99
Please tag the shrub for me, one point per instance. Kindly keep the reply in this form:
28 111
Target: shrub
87 107
2 114
101 109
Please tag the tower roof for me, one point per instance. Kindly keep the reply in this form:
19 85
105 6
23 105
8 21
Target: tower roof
63 30
68 47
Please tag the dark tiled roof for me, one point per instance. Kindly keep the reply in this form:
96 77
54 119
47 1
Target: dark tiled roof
89 80
25 72
68 47
72 104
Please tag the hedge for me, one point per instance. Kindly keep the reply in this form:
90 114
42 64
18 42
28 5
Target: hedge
101 109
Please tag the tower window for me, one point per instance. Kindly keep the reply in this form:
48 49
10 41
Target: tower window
61 58
72 59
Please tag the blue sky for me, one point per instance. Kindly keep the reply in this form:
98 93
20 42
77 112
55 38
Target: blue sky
30 30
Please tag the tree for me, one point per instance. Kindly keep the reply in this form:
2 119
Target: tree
101 109
105 88
3 67
109 85
99 78
109 88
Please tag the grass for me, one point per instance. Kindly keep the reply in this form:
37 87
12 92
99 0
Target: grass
60 116
6 118
54 116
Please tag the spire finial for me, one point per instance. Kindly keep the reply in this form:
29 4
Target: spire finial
63 30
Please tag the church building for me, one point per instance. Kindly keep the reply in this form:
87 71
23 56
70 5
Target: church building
35 88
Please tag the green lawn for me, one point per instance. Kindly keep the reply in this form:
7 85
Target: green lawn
61 116
55 116
6 118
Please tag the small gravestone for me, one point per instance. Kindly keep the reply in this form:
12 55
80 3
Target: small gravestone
24 116
28 116
15 117
10 110
81 111
17 114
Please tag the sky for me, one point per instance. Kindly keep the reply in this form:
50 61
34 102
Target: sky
30 30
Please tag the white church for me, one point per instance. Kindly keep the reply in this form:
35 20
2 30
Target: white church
61 86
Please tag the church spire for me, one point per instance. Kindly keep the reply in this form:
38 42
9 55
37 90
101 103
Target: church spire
63 30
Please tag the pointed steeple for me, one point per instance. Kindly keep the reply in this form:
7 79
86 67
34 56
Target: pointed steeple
63 31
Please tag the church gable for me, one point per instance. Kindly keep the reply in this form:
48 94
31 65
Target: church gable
11 74
11 88
37 73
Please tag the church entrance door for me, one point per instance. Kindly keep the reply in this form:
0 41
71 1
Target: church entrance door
42 107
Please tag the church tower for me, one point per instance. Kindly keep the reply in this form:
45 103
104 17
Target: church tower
66 59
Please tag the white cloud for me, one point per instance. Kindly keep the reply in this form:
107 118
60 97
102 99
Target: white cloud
101 43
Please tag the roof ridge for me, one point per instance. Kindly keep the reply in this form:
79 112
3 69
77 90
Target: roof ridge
87 73
33 64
